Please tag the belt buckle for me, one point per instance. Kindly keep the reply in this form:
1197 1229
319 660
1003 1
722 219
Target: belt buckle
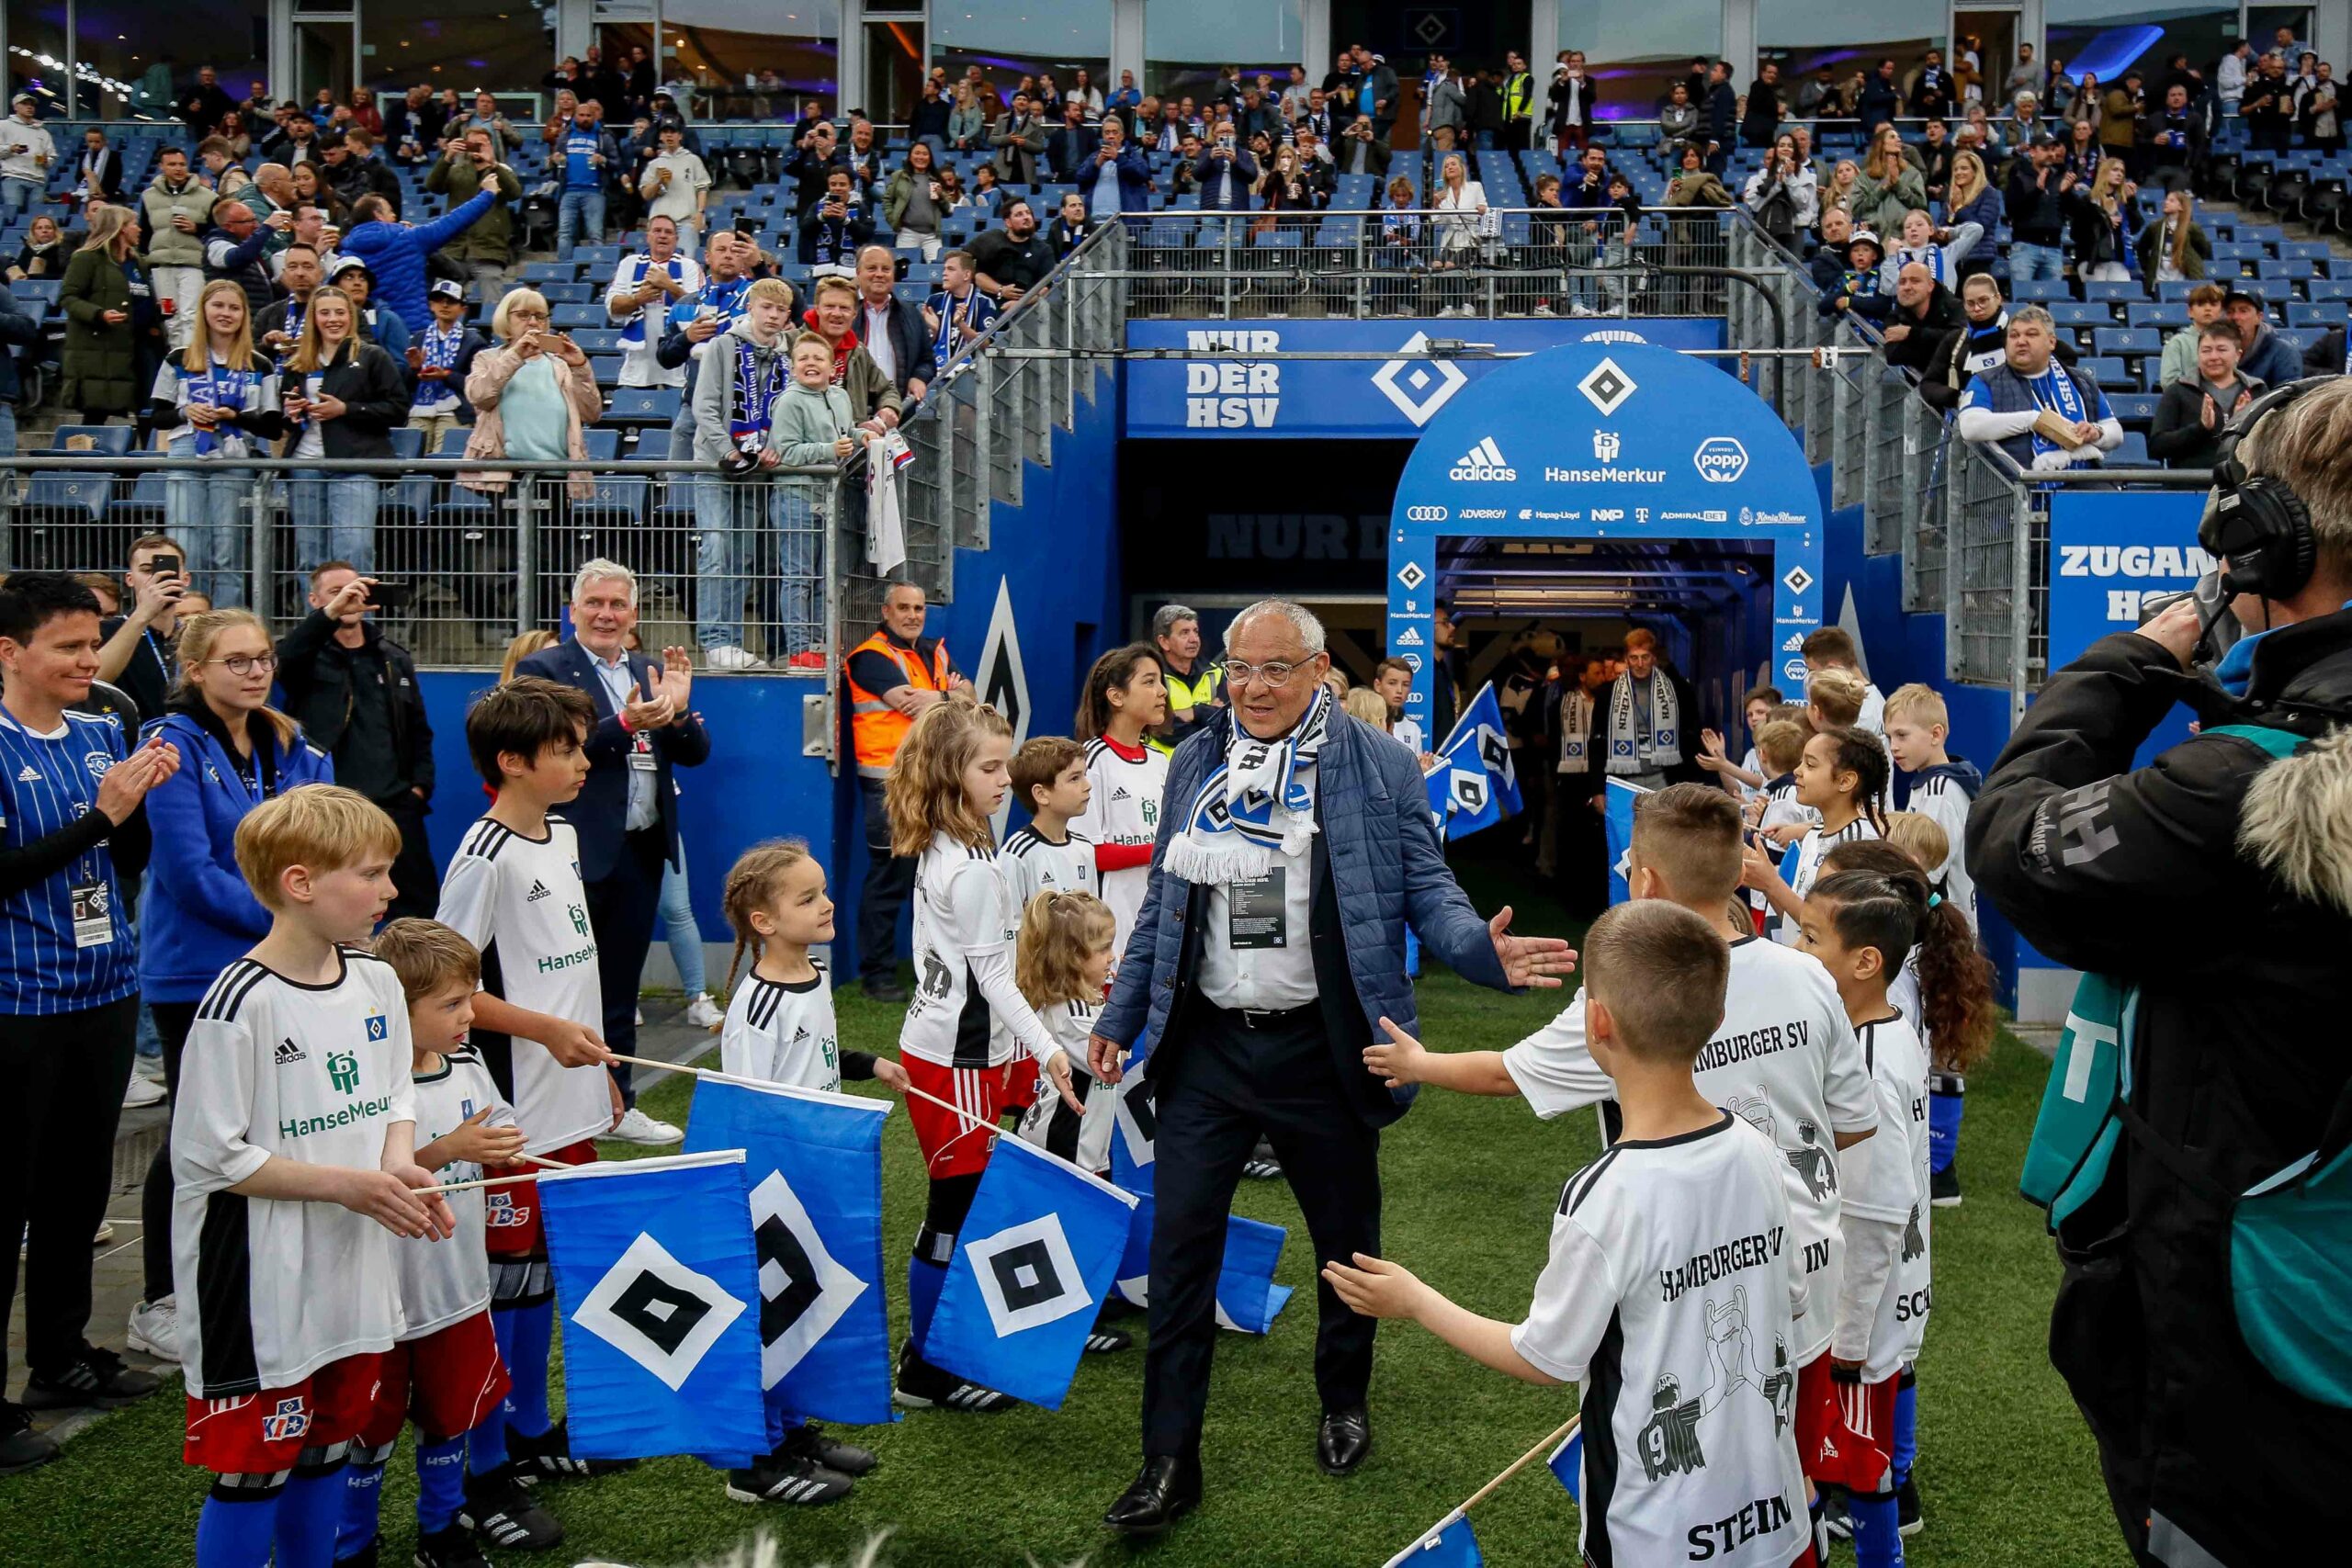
1251 1017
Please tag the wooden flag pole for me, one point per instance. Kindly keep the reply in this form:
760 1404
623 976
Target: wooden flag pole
909 1090
1559 1435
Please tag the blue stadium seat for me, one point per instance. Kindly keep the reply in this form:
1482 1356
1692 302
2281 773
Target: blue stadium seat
605 368
2041 290
2134 408
567 293
2124 290
2110 374
635 406
598 340
2321 315
2133 454
2081 313
2128 340
2167 317
71 440
550 272
565 318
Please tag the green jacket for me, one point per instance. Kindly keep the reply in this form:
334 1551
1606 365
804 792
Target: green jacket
167 246
804 425
1883 208
101 362
492 237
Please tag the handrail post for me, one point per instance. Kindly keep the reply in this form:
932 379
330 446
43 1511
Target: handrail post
2021 564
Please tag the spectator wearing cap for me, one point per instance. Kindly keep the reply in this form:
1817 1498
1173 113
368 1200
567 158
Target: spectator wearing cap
2036 203
2263 353
26 153
469 164
1019 138
379 324
440 357
675 185
891 328
1857 289
395 252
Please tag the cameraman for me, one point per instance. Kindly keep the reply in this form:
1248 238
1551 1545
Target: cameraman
354 693
2236 1043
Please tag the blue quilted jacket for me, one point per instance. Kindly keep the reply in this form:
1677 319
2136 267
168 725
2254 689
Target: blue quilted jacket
1386 865
395 253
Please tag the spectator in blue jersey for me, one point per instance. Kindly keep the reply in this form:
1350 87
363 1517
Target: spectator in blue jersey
199 913
2006 405
959 311
71 832
588 158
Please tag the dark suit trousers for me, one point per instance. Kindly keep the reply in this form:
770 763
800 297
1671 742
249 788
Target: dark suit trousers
622 909
1232 1083
416 881
888 880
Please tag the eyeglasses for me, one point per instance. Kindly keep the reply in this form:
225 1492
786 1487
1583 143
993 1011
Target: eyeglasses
246 663
1273 676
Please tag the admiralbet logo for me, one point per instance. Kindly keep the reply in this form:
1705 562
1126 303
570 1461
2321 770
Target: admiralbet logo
1484 462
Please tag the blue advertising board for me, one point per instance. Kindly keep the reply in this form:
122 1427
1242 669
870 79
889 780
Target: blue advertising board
1610 441
2108 551
1377 398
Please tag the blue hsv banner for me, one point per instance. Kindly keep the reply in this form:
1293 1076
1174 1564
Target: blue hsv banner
1389 398
2108 551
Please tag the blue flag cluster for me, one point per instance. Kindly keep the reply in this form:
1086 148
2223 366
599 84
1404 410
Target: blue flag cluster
813 1170
1619 820
1474 784
1031 1269
655 1268
1248 1300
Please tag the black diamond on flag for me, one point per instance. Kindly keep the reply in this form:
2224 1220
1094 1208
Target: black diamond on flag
1495 751
1027 1275
803 1291
658 1311
1469 790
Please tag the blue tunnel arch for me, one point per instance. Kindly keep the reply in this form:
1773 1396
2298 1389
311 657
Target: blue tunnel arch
1604 440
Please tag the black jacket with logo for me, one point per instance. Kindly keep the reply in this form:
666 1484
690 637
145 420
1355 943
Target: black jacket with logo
362 705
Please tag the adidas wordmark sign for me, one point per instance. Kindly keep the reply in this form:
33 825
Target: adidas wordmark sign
1484 462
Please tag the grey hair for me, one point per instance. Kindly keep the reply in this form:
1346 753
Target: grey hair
1168 617
601 571
1302 621
2037 315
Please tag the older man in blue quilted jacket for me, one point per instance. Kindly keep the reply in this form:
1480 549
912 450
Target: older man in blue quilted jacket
1296 846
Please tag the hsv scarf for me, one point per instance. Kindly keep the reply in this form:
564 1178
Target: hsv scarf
1631 751
1256 802
221 387
750 397
440 346
1576 727
633 334
2054 390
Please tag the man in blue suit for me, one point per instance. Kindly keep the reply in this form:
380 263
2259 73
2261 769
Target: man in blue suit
627 815
1271 938
1113 178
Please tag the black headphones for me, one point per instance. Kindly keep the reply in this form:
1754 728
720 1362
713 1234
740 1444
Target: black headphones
2257 523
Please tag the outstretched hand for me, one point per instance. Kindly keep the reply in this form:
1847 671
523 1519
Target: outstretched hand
1538 961
1375 1287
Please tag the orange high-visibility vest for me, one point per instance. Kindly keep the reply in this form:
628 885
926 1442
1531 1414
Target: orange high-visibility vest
876 729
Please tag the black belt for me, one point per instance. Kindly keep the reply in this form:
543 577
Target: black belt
1269 1018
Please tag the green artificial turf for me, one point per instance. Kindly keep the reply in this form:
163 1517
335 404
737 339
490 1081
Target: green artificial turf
2007 1469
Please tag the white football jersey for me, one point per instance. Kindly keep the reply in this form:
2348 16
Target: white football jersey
443 1282
1082 1139
1940 798
1036 864
277 1069
1124 810
782 1031
1889 1184
520 900
1810 849
1784 1059
1666 1298
964 925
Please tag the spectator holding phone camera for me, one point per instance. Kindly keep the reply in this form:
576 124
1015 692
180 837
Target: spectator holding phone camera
140 651
354 693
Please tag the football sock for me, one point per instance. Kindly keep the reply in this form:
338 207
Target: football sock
1817 1506
1907 1427
533 1332
926 1276
486 1443
237 1528
1947 1099
440 1484
1878 1543
363 1497
307 1514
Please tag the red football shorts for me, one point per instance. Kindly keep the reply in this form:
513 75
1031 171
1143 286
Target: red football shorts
1025 1085
1858 1450
260 1433
1817 1414
512 1214
448 1381
955 1145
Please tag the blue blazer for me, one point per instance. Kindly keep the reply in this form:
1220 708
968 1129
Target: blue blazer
1134 179
601 814
199 915
1378 867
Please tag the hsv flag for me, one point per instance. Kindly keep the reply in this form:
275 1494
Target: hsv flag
1474 784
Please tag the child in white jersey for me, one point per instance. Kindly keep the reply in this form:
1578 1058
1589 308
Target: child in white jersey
514 890
1125 698
293 1158
1862 925
950 778
1833 649
1842 775
1746 778
1672 1278
1782 1057
780 1029
445 1373
1049 777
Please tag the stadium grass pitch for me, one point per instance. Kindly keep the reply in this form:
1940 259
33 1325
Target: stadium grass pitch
2007 1471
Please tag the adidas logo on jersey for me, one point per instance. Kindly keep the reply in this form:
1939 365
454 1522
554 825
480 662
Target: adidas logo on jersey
287 1054
30 774
538 891
1119 794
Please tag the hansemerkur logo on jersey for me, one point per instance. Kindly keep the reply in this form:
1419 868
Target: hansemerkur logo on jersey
343 1071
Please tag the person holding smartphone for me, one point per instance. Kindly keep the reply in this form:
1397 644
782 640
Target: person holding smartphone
140 653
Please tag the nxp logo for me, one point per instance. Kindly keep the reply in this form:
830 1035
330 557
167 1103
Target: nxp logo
1720 460
1425 515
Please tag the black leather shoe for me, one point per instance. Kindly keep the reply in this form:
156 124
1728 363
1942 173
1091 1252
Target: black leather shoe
1168 1489
889 991
1343 1439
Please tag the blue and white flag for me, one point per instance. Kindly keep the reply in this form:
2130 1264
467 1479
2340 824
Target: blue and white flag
1248 1300
813 1165
1135 1136
1567 1464
1619 818
1447 1544
1031 1269
1474 784
660 1288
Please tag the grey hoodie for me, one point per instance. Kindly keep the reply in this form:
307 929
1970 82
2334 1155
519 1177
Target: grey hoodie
714 378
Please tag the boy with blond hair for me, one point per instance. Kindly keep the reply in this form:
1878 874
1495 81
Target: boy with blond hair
1832 647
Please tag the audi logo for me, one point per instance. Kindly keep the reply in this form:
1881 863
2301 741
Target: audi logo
1425 515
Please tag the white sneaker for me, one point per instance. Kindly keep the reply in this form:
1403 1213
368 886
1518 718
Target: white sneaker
640 1018
141 1092
106 1234
155 1328
729 657
636 1127
703 1013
